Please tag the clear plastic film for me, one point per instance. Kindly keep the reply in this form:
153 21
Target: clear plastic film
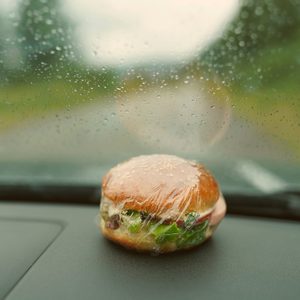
160 203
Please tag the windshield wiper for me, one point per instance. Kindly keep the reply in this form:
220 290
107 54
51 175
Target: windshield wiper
77 194
283 205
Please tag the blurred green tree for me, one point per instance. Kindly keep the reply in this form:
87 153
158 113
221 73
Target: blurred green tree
2 54
45 33
259 29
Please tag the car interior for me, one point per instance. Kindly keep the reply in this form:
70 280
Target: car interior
86 85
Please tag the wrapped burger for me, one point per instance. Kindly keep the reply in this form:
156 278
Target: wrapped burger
160 203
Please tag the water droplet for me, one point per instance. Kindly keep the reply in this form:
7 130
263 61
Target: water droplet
259 11
241 43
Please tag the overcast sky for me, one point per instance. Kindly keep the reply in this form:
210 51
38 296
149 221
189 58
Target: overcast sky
132 31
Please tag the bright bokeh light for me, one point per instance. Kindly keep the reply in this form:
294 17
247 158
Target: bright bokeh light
133 31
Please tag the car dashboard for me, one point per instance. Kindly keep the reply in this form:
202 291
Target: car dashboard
55 251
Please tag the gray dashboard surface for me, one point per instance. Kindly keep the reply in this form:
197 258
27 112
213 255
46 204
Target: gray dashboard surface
248 258
22 242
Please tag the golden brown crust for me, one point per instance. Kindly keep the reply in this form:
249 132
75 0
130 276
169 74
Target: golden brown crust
161 184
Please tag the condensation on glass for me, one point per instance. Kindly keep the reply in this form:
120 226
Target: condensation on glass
94 81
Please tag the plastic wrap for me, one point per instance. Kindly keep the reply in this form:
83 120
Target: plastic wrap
160 203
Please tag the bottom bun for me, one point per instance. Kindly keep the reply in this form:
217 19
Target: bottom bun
119 227
144 244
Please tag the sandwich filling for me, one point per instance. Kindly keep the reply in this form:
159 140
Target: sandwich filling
188 231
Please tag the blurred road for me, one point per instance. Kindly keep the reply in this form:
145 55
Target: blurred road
184 121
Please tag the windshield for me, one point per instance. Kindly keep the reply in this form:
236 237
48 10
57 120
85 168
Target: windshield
90 83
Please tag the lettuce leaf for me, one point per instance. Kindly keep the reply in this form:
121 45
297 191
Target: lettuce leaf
192 237
191 234
132 220
135 223
165 233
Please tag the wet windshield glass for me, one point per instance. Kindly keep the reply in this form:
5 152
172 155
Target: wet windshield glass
94 82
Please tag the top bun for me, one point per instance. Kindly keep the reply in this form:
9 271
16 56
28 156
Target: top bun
162 185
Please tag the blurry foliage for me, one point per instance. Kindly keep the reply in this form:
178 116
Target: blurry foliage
257 60
1 48
41 68
45 33
46 48
259 47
